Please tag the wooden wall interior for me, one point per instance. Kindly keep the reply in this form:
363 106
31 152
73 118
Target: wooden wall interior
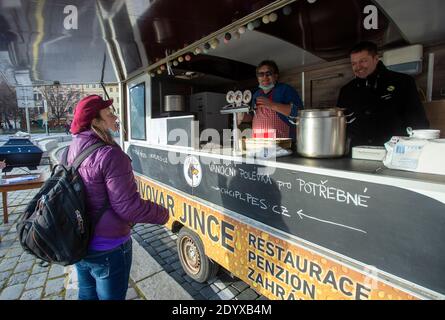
328 78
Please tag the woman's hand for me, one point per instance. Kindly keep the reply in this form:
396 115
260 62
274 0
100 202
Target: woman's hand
2 164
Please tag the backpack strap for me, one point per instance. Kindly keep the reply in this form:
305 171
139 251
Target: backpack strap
64 158
76 164
84 154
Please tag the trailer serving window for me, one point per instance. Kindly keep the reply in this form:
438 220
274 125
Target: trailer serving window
138 115
137 112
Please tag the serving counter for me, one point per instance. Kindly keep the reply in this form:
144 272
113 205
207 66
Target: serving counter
352 211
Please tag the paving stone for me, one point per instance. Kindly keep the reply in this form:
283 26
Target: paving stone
162 287
12 292
160 236
177 265
131 294
38 269
151 227
198 296
18 278
168 268
3 252
72 294
54 286
160 231
36 280
2 282
240 285
165 254
6 244
187 287
208 292
150 250
150 238
198 286
8 264
56 297
9 237
180 271
56 271
24 266
144 232
157 243
72 280
248 294
5 275
172 259
188 279
27 257
143 265
15 245
221 285
34 294
179 279
137 237
215 297
13 231
14 253
228 293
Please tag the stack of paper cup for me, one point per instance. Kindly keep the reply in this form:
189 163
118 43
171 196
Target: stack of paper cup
423 134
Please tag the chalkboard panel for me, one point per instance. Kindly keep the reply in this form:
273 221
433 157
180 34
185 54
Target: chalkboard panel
160 165
393 229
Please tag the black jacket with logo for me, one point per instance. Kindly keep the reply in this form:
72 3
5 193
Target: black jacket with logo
383 105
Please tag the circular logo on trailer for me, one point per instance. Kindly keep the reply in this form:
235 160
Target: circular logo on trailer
192 171
391 88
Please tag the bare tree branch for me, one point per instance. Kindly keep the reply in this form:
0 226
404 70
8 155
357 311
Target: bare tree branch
60 100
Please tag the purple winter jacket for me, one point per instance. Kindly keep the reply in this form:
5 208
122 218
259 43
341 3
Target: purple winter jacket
107 173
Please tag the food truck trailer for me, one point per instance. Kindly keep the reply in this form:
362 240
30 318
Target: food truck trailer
291 227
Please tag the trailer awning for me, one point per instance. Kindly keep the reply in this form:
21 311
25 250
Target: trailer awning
36 35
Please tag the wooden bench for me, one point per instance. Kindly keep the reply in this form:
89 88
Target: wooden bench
17 186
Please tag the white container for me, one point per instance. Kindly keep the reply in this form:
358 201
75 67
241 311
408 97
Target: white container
417 155
369 153
423 134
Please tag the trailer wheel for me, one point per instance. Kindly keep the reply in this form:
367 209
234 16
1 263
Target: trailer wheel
192 256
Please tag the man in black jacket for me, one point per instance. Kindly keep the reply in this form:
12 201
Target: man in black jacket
384 103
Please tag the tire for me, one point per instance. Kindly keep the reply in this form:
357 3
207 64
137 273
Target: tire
193 258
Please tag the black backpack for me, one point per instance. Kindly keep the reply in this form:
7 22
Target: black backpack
56 227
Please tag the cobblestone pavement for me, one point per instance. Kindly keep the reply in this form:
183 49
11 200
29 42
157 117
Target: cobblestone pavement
24 277
160 243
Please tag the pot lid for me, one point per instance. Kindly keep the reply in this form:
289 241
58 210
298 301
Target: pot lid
320 113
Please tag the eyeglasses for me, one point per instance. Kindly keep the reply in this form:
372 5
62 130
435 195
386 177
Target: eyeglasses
264 74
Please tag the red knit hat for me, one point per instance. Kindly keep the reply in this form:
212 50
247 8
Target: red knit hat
86 110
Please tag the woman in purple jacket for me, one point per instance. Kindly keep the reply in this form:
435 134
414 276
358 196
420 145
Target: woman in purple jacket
107 175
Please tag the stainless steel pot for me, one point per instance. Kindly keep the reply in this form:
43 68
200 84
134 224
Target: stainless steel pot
174 103
321 133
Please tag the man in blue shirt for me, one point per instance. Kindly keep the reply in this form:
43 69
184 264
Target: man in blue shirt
275 103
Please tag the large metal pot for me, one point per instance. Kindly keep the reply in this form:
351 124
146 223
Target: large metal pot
174 103
321 133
